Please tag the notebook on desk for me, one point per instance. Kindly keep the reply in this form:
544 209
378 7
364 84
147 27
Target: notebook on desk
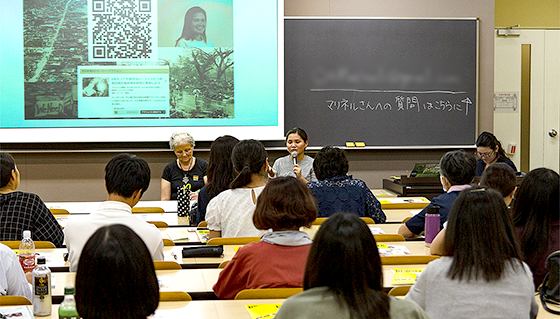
425 170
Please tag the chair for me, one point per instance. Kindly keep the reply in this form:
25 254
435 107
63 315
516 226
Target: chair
232 240
159 224
166 265
223 264
147 210
168 242
202 224
388 237
267 293
14 244
407 260
406 219
399 291
59 211
174 296
320 220
14 301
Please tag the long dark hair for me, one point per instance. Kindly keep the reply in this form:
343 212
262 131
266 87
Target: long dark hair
536 206
248 157
220 169
487 139
480 236
116 276
187 33
344 258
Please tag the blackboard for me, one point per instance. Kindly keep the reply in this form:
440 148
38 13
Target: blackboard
386 82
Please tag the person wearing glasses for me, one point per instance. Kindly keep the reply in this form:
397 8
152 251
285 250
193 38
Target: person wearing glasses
489 151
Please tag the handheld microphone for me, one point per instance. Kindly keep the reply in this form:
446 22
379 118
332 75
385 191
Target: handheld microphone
294 157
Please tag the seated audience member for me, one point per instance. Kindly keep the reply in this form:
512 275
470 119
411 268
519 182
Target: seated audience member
12 278
185 170
116 276
481 274
337 192
536 214
220 172
24 211
127 177
489 151
343 277
498 176
457 170
278 259
230 214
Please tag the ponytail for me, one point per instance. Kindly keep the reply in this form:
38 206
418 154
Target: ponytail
247 157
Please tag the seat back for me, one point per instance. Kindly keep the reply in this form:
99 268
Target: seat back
320 220
168 242
202 224
14 244
388 237
174 296
59 211
14 301
407 260
147 210
158 224
267 293
399 291
232 240
166 265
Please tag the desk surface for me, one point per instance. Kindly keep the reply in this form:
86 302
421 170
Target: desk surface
225 309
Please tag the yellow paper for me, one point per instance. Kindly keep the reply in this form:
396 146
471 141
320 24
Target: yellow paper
384 201
236 248
405 276
262 311
382 246
203 235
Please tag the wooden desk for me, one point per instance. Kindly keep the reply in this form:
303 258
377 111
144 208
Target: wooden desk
398 215
383 193
170 218
403 202
88 207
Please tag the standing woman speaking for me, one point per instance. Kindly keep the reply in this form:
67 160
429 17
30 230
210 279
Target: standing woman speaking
296 142
185 170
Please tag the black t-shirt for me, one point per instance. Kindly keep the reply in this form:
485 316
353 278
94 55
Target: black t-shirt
178 177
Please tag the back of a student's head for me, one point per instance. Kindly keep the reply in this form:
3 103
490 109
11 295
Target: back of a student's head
480 235
7 166
459 167
220 169
537 197
248 157
116 276
344 258
285 203
499 176
125 174
330 162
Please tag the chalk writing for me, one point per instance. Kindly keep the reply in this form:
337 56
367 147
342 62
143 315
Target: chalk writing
401 104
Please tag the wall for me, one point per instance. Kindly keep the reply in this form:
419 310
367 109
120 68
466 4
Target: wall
78 176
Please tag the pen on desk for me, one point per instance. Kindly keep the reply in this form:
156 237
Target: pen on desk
174 255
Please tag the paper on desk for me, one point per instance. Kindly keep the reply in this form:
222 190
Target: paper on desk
20 312
405 276
203 235
261 311
164 281
174 254
392 250
376 230
177 235
415 212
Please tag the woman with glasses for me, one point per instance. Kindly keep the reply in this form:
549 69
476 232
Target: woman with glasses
489 151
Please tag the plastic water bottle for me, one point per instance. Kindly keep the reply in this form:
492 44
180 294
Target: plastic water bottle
27 252
42 294
67 309
431 225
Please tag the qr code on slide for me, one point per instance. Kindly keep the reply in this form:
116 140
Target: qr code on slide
122 30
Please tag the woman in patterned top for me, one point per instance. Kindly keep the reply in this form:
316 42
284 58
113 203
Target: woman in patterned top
21 211
337 192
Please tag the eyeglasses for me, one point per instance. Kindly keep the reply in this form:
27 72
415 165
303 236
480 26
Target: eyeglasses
484 155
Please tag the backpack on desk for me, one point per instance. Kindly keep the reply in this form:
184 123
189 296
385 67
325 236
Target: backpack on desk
549 290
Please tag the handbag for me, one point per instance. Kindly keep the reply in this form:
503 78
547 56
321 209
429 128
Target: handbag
549 290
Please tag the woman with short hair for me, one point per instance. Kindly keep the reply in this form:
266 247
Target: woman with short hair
185 171
343 277
278 259
116 276
337 192
481 274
